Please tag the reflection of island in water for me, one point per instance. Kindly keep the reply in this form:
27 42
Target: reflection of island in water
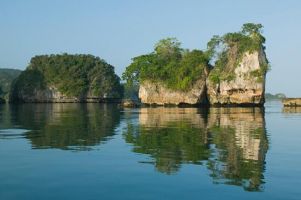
230 142
291 109
66 126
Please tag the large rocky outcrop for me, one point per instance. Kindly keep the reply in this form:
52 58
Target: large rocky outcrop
66 78
247 86
157 93
237 76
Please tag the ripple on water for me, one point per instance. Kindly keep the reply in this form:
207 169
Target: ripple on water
12 133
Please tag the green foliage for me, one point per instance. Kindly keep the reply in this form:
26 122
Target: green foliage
228 50
7 76
168 48
260 73
1 91
250 28
277 96
131 91
213 44
73 75
27 82
176 68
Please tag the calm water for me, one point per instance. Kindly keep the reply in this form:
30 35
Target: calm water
95 151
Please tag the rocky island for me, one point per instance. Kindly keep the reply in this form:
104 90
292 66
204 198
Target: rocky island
231 71
66 78
291 102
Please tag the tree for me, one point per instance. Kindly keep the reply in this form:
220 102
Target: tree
168 48
251 28
175 67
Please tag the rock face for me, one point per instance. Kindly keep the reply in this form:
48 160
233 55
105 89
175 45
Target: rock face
291 102
247 87
52 95
156 93
47 95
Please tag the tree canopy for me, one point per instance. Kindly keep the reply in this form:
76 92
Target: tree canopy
7 76
175 67
73 75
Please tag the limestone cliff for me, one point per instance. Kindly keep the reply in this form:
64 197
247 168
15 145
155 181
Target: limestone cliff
247 86
51 94
157 93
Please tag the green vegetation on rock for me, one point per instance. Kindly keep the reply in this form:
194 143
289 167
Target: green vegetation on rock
227 51
73 75
169 64
179 69
7 76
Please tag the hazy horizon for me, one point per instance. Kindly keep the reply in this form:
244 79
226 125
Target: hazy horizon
117 31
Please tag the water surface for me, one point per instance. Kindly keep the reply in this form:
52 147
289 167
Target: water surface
100 151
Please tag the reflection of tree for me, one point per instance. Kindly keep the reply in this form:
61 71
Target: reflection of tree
167 135
170 147
5 117
67 126
231 141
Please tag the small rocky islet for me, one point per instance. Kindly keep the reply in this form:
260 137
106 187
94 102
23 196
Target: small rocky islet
231 71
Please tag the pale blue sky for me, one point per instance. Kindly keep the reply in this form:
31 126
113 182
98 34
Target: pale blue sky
117 30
